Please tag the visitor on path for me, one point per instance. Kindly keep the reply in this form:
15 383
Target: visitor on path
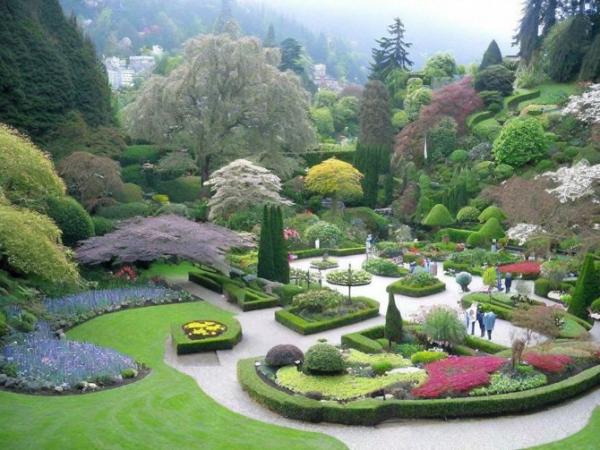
489 320
494 246
467 319
479 315
412 266
508 282
473 317
433 269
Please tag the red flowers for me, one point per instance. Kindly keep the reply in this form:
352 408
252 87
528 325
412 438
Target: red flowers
127 273
457 374
548 363
290 233
525 267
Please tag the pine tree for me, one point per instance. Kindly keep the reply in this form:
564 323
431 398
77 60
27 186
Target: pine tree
590 68
291 52
527 34
270 40
492 56
393 322
587 288
266 267
392 52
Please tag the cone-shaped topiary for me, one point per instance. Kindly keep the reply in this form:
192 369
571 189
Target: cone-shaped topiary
393 322
266 268
439 216
492 211
492 56
587 288
323 359
492 229
477 240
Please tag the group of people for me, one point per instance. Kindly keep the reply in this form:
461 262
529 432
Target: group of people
486 321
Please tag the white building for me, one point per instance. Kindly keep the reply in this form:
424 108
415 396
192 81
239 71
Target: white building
141 63
324 81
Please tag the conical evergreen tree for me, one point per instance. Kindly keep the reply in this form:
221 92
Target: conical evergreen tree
527 35
587 288
392 52
225 17
266 268
393 321
491 56
270 40
280 260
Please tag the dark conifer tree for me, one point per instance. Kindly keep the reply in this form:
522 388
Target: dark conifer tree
391 53
270 39
587 288
266 267
590 68
528 33
492 56
280 255
392 330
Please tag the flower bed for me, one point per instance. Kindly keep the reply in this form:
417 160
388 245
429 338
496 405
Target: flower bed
420 284
525 268
384 268
346 278
324 264
205 335
548 362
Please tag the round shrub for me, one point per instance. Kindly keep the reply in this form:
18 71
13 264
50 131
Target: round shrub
463 279
492 211
317 300
323 359
503 171
595 307
492 229
427 357
520 142
459 156
439 216
542 286
380 368
284 355
182 189
130 193
161 198
495 78
566 299
478 240
328 234
73 220
102 225
467 214
383 268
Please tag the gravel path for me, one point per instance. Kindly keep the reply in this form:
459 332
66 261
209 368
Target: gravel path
216 375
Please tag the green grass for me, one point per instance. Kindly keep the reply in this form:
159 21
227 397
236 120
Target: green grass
166 410
168 270
551 94
586 438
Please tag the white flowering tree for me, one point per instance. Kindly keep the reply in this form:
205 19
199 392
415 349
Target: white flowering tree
240 185
586 107
574 182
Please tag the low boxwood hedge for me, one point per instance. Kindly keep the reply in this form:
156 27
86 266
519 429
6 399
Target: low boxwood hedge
484 345
365 340
287 318
398 288
513 101
184 345
462 267
249 299
312 252
370 412
454 234
479 117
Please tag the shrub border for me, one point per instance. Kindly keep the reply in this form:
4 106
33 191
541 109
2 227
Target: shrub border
304 327
370 412
397 288
184 345
312 252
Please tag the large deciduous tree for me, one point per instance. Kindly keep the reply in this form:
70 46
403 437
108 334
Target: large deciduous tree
225 101
391 53
240 185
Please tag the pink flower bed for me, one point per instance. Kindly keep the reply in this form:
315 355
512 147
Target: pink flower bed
457 374
524 267
548 363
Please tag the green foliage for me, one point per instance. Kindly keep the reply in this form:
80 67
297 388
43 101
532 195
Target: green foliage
343 277
266 262
122 211
490 212
478 240
393 321
323 120
442 138
72 219
501 383
492 229
323 359
391 53
521 141
140 154
459 156
442 325
492 56
463 279
467 214
182 189
27 176
328 234
380 368
419 284
130 193
426 357
595 306
30 242
439 216
415 100
336 178
587 289
495 78
226 341
493 101
489 277
440 65
317 301
503 171
400 119
590 67
543 286
102 225
565 48
383 268
375 117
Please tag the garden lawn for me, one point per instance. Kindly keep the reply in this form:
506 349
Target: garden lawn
165 410
586 438
551 94
167 270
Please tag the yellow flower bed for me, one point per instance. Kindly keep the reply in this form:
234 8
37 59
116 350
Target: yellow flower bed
202 329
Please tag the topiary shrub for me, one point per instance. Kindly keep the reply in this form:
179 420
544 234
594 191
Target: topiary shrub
323 359
102 225
521 141
130 193
182 189
468 214
284 355
478 240
495 78
459 156
439 216
492 229
463 279
73 220
492 212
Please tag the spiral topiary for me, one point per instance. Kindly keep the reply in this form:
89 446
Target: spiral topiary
323 359
284 355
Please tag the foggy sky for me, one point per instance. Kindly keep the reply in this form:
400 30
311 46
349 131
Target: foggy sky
462 27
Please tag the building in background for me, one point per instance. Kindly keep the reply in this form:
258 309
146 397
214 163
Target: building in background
123 74
324 81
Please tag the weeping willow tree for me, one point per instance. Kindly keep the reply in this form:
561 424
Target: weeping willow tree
227 100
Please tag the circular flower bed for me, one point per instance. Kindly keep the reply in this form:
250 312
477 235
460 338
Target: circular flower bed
324 264
384 268
203 329
346 278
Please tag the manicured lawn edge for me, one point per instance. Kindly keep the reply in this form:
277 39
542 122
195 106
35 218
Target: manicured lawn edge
249 299
370 412
226 341
288 319
484 345
365 340
397 288
312 252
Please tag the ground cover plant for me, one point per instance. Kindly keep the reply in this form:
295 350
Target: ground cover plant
344 277
384 268
419 284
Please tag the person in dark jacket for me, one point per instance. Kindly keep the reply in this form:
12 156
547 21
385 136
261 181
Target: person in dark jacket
508 282
480 321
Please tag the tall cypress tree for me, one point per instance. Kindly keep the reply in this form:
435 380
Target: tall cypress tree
492 56
266 267
587 288
280 255
392 330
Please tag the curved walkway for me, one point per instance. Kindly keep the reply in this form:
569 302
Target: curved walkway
216 376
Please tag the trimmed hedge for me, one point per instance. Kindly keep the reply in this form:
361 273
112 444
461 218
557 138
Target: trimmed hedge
370 412
454 234
312 252
211 280
365 341
226 341
479 117
249 299
287 292
462 267
398 288
513 101
287 318
484 345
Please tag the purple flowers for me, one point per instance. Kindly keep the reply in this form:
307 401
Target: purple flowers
40 357
107 299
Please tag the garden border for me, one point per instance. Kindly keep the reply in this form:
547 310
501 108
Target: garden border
184 345
397 288
370 412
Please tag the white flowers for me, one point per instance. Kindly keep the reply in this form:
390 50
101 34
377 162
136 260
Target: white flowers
574 182
523 231
585 107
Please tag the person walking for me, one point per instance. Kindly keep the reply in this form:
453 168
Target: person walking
467 319
473 317
489 320
479 316
508 282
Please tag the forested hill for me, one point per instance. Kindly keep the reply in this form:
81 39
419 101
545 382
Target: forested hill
47 69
